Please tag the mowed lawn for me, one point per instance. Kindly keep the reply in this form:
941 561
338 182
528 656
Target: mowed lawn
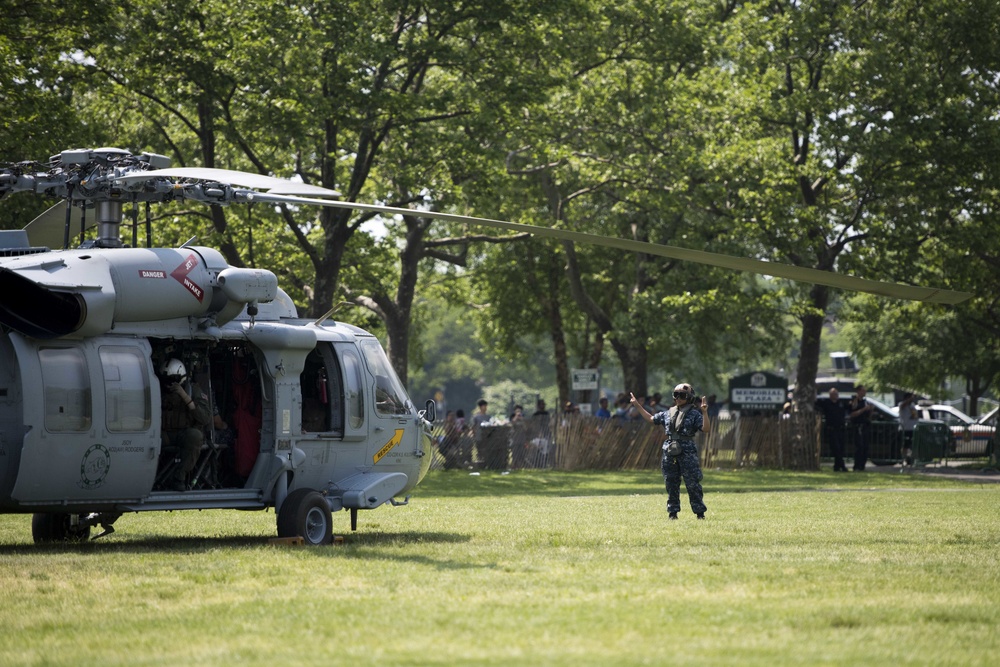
534 568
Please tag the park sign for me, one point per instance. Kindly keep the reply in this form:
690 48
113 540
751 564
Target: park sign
584 379
759 390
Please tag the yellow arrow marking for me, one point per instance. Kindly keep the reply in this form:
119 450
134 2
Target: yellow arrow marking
395 440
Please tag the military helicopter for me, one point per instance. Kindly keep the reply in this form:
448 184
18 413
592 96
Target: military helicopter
305 416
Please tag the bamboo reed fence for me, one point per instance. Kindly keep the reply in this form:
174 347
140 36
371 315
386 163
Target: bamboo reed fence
580 442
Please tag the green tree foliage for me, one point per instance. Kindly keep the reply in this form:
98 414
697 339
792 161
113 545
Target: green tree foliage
950 204
838 136
614 151
919 346
847 135
43 87
375 100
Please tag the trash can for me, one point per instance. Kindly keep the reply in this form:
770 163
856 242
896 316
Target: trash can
493 447
930 440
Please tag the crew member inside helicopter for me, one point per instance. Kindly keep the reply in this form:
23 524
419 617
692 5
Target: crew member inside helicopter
186 413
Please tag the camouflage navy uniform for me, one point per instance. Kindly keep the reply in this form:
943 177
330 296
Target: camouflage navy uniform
686 463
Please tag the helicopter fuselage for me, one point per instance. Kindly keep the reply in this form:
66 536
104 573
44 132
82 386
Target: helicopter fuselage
305 412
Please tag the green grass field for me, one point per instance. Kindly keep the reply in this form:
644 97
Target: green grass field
534 568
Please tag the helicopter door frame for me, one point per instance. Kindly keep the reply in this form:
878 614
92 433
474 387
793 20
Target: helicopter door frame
96 437
353 370
322 386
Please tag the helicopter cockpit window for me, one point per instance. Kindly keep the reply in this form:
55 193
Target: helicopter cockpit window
390 397
67 389
126 389
353 395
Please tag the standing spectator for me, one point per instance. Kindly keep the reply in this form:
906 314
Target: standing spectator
518 438
861 422
479 434
540 438
480 418
622 407
570 412
634 405
713 407
834 422
680 453
908 418
602 410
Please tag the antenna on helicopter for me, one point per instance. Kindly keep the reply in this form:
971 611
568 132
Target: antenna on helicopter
328 314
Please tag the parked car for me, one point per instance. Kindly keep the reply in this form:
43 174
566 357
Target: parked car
970 437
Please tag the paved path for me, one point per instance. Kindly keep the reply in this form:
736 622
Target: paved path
969 473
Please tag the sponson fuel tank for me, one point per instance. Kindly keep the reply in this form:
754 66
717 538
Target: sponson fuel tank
82 293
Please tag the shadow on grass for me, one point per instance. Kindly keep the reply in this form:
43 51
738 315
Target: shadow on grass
461 484
150 544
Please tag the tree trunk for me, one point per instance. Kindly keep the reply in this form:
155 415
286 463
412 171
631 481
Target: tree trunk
399 310
634 366
549 301
804 398
397 327
812 331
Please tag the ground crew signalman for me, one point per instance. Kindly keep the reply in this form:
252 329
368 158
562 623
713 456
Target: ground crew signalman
186 413
680 453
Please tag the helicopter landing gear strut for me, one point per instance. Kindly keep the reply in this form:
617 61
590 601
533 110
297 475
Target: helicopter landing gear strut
61 527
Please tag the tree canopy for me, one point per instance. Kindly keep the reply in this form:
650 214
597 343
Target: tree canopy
842 135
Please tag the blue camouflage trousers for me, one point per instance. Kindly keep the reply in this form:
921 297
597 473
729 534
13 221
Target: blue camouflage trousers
684 465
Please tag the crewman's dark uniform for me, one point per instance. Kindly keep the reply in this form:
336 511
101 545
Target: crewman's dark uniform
184 430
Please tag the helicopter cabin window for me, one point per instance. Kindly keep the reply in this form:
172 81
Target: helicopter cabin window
322 393
126 389
67 389
390 397
353 396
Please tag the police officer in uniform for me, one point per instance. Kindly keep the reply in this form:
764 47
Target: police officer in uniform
834 421
861 422
186 413
680 453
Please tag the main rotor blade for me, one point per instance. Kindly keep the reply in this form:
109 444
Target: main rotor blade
797 273
278 186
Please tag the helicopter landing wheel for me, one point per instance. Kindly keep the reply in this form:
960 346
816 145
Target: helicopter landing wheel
58 528
306 514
